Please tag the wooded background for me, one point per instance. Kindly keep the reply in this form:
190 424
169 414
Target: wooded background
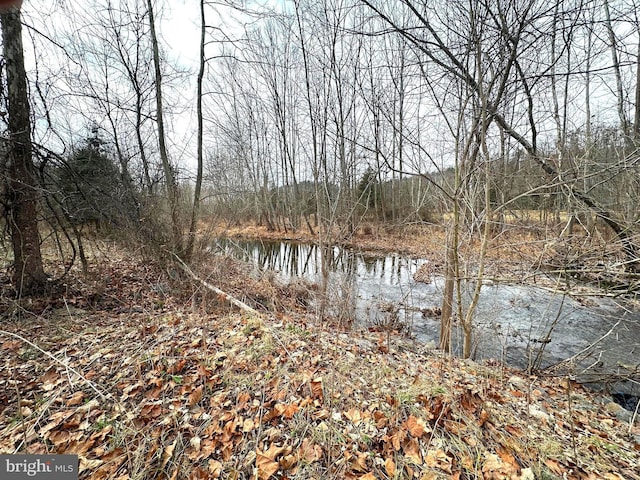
324 116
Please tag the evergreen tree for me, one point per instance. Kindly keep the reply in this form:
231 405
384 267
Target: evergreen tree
91 185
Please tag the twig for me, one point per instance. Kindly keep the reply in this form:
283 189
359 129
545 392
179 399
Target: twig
586 349
634 416
57 360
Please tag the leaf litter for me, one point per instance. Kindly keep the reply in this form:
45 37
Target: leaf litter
141 384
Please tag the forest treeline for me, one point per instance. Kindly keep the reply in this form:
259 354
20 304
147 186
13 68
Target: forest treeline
319 116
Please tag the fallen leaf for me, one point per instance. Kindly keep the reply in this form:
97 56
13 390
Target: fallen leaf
274 451
177 367
555 466
76 399
354 415
168 453
195 396
508 459
151 410
470 401
316 389
390 467
397 438
248 425
380 419
266 466
215 468
199 474
11 345
412 451
287 462
86 464
49 379
495 469
437 458
309 451
287 410
195 443
416 426
360 463
429 476
482 419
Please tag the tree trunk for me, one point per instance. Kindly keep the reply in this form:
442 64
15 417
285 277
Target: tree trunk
21 189
624 123
636 118
169 176
195 211
446 321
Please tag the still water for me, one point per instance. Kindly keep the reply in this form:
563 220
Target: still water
520 324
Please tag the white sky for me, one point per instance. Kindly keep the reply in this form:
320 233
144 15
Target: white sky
180 30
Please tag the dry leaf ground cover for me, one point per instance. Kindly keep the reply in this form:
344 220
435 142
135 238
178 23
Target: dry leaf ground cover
146 380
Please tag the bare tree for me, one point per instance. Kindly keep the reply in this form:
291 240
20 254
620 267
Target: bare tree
171 183
615 62
195 209
522 75
21 197
137 65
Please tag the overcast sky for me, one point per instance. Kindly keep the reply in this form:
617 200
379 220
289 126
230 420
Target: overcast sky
179 31
178 27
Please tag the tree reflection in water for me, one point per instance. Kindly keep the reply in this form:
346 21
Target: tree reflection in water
350 283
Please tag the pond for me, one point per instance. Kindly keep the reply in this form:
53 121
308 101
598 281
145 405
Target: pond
521 325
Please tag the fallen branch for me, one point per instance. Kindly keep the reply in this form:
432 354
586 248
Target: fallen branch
65 364
585 351
223 295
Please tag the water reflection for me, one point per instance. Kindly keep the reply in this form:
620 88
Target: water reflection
292 260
